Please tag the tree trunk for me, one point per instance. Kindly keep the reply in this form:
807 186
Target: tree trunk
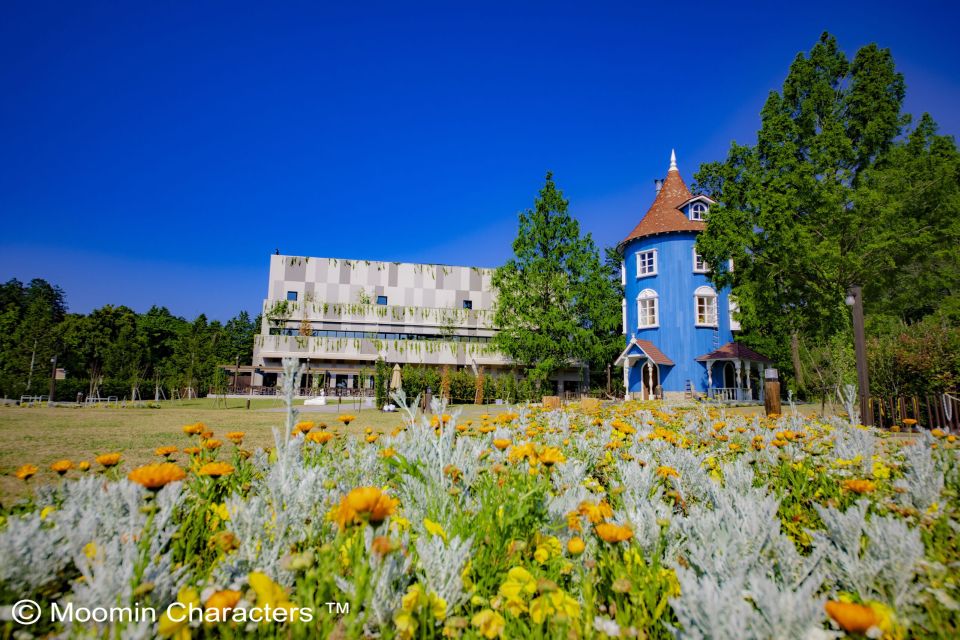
795 358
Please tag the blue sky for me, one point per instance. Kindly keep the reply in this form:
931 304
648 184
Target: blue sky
158 152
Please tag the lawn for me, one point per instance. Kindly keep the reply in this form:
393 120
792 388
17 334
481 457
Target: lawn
42 435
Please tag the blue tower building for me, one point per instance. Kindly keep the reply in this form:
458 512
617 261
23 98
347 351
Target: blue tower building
678 327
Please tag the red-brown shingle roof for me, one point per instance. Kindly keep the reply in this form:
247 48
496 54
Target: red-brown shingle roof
663 215
653 353
734 350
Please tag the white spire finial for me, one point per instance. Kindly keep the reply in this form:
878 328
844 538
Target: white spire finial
673 160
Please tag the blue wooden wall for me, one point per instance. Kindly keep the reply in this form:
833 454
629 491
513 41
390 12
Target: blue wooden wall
677 337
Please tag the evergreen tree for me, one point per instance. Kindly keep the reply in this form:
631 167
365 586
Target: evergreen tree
831 196
557 305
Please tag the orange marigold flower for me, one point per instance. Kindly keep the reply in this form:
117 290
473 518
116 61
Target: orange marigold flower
346 419
909 422
210 445
155 476
365 504
165 452
305 426
320 437
666 472
84 466
191 451
576 545
596 513
108 459
236 437
852 618
193 429
859 486
61 466
216 469
613 532
27 471
223 600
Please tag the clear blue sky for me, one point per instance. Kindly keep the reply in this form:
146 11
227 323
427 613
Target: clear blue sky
158 152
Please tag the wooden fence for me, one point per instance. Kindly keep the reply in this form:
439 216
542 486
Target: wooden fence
939 411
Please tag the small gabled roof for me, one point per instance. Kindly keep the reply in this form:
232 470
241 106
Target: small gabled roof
664 215
734 351
648 349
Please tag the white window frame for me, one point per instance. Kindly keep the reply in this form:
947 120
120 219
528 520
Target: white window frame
706 293
640 261
623 273
648 296
698 211
623 303
733 307
705 268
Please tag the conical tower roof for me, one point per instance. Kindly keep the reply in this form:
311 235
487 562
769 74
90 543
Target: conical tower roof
664 215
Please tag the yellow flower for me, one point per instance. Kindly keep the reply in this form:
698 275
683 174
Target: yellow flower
501 443
46 511
666 472
155 476
167 626
236 437
405 625
596 513
434 528
305 426
880 470
210 445
108 459
554 604
346 419
216 469
551 456
27 471
320 437
575 546
851 617
84 466
193 429
365 504
90 550
519 584
223 600
612 532
61 466
165 452
489 623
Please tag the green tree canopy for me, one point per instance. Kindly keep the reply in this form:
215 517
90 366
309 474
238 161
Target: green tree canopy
557 304
833 194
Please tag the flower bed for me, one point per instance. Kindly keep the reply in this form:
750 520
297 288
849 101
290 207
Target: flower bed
630 521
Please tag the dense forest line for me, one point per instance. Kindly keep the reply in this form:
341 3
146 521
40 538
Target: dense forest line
112 350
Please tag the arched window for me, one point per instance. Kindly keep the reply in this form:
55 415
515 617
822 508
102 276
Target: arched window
647 313
705 306
698 211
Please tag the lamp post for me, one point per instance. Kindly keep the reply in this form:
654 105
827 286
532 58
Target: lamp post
855 302
53 377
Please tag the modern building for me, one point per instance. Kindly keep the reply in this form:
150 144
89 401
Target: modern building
679 329
338 316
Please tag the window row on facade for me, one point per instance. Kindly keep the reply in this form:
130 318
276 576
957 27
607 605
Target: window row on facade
647 265
648 309
381 300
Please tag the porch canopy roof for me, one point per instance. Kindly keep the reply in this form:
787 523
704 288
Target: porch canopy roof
644 348
734 351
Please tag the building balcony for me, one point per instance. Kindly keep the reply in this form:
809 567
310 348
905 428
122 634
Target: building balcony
437 352
280 312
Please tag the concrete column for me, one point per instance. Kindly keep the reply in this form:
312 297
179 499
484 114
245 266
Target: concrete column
709 376
749 385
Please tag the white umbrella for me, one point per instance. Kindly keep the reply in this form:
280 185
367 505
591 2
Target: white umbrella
395 379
